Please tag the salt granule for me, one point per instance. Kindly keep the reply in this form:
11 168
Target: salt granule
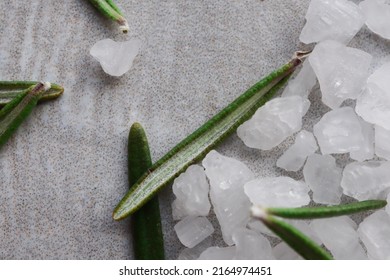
377 14
193 230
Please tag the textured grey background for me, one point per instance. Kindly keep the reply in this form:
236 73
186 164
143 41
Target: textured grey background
64 170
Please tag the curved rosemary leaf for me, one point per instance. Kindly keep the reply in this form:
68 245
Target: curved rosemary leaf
9 90
199 143
148 239
326 211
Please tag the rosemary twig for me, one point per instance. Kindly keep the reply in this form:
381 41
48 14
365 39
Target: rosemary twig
148 239
111 11
205 138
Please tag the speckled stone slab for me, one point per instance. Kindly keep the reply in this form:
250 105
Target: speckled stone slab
65 169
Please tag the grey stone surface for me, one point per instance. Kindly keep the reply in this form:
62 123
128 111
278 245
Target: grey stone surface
64 170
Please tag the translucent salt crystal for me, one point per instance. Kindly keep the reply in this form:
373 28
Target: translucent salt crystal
341 71
382 142
336 20
366 150
340 237
323 177
194 253
192 193
116 58
339 131
374 231
277 192
366 180
259 227
274 122
193 230
227 178
303 83
377 13
217 253
284 252
251 246
305 228
295 156
373 105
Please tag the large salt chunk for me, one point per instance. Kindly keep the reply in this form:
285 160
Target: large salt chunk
323 177
193 230
295 156
217 253
194 252
303 83
382 142
339 131
259 227
274 122
366 150
284 252
336 20
227 178
366 180
374 231
192 193
251 246
341 71
377 13
340 237
277 192
305 228
116 58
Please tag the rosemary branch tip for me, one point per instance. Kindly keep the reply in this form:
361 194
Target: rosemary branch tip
46 86
124 27
259 212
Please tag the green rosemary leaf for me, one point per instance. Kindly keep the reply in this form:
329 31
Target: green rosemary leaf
298 241
111 11
9 90
20 110
199 143
148 239
326 211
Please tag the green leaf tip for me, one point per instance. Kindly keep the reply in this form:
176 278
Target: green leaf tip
111 11
316 212
200 142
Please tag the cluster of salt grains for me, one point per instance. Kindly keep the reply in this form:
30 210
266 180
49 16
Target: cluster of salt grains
363 132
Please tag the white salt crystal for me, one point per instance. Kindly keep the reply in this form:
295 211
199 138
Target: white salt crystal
192 193
366 150
340 237
193 230
251 245
366 180
339 131
305 228
259 227
274 122
227 177
284 252
382 142
194 253
341 71
217 253
277 192
323 177
373 105
377 13
116 58
336 20
374 231
303 83
295 156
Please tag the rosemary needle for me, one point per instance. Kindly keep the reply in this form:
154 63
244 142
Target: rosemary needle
111 11
199 143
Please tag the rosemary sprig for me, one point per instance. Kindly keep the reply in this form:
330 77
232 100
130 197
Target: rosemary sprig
326 211
111 11
148 239
205 138
9 90
14 113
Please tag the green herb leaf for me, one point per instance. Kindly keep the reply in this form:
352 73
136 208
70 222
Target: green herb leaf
205 138
326 211
298 241
148 239
16 112
9 90
111 11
